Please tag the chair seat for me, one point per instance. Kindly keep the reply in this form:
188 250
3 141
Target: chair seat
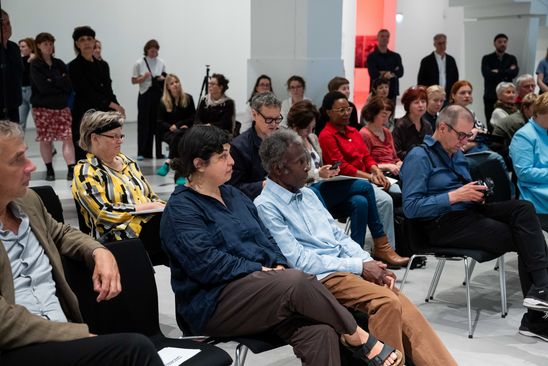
478 255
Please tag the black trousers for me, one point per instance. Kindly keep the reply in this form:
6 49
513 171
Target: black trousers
10 114
124 349
489 107
77 114
497 227
148 128
543 221
173 139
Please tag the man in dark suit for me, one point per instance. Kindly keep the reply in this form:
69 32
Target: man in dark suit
438 68
496 67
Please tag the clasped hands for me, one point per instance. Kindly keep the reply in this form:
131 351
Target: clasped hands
376 272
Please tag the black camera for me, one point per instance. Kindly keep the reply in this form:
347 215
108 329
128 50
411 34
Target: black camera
489 184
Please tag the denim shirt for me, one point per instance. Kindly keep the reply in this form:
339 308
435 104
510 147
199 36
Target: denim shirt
210 245
428 178
306 233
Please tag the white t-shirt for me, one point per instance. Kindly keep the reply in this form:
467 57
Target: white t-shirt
157 67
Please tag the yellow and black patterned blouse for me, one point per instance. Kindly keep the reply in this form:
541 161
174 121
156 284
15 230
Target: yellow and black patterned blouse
107 197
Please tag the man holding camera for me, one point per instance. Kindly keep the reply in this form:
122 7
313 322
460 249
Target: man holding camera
438 189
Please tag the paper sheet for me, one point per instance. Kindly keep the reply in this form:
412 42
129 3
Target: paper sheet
172 356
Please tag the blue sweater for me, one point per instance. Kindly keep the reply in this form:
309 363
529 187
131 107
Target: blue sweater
210 245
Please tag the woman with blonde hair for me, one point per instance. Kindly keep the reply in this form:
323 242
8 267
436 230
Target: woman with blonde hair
435 102
175 115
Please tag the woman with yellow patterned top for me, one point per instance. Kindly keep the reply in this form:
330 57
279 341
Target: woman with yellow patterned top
112 192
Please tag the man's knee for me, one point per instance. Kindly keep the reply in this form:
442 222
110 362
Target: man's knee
295 278
387 300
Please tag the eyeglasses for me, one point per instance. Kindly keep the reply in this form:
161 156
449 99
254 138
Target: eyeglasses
460 135
343 110
114 137
269 120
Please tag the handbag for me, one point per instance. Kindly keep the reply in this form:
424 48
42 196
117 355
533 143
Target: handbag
157 84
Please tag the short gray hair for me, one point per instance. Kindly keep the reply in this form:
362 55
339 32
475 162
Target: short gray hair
267 99
450 114
94 120
502 86
10 130
274 147
520 79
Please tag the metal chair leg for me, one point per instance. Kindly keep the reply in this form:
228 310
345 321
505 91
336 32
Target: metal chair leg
241 353
437 273
471 270
347 227
442 262
407 271
502 277
468 306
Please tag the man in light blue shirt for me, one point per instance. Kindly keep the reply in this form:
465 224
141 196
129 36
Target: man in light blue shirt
311 240
529 153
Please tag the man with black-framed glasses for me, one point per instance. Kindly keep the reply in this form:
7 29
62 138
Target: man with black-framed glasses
248 174
438 190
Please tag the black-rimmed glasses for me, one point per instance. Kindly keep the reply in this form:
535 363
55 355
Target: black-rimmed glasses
460 135
269 120
114 137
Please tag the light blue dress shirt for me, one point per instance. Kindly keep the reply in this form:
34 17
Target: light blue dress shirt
306 233
31 269
529 153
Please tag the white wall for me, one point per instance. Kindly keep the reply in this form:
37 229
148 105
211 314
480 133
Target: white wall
191 34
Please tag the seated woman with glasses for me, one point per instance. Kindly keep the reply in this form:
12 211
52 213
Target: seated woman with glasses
249 175
112 193
295 87
340 142
215 107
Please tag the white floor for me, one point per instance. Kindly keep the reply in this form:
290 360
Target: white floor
496 340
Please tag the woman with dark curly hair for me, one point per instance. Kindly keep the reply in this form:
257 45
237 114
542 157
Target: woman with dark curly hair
215 108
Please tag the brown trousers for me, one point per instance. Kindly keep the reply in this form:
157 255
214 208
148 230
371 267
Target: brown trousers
393 318
289 303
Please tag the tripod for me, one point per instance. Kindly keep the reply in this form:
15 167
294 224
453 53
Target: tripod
203 89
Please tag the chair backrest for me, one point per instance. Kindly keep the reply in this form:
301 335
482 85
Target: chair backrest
135 309
486 165
51 201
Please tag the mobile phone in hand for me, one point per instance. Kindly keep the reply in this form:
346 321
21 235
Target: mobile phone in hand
335 165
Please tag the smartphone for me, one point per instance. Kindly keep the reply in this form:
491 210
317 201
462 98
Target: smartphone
335 165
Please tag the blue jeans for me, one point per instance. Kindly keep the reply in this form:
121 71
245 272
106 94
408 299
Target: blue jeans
25 106
354 198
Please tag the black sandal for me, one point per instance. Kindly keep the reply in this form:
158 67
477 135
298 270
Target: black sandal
360 352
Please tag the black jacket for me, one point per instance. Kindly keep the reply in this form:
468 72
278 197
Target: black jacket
51 86
11 59
429 72
505 73
389 61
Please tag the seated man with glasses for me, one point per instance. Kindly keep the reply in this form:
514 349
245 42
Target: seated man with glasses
438 190
248 174
110 189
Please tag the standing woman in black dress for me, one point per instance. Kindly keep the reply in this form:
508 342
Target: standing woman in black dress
91 83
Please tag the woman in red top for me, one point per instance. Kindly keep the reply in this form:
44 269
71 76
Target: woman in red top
378 138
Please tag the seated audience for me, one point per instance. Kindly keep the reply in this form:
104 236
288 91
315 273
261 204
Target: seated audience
353 198
216 108
411 128
40 321
505 105
263 84
339 142
380 88
529 152
229 276
378 138
437 189
110 188
525 84
175 115
249 175
296 87
436 100
313 242
342 85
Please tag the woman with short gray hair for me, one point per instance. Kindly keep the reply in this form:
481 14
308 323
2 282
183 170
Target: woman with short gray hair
506 102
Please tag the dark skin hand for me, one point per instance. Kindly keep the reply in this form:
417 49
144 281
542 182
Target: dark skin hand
376 272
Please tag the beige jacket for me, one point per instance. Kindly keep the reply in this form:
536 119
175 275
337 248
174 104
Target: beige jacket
18 327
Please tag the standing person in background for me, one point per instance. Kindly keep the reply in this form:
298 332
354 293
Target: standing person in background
91 83
263 84
542 74
50 91
28 51
496 67
215 107
438 68
97 50
149 72
175 115
342 85
11 74
384 63
296 87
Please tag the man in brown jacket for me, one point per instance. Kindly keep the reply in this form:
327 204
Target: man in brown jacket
40 322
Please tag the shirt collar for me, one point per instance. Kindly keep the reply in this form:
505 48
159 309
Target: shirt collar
19 214
285 196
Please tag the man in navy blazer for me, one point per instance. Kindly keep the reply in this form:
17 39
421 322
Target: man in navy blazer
438 68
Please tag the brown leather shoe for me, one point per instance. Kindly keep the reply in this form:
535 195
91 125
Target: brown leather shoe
382 251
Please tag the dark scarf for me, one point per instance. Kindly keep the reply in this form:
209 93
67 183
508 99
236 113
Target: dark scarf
507 107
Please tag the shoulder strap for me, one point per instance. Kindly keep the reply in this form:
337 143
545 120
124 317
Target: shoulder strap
148 67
